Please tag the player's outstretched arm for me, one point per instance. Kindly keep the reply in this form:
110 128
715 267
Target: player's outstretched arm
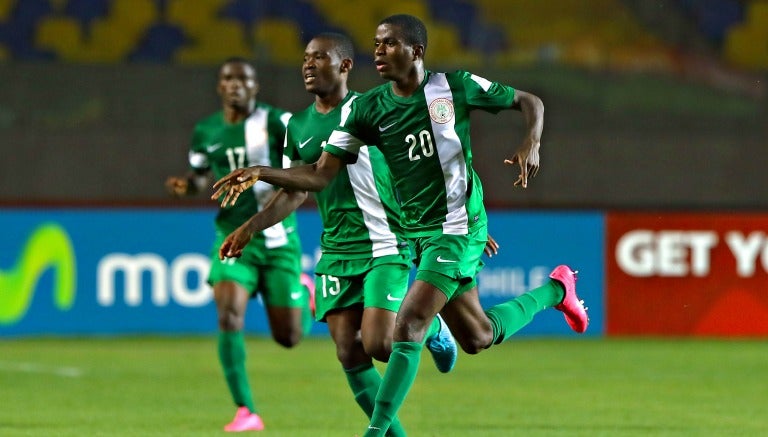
237 181
310 177
527 156
282 203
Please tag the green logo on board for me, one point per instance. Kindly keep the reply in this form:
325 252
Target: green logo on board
48 247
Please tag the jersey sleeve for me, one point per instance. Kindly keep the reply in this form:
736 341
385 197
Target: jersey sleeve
483 94
345 141
198 157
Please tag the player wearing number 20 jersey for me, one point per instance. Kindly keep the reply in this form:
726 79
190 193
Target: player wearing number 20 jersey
425 141
360 216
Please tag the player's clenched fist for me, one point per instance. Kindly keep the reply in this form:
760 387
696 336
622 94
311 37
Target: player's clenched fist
177 186
231 185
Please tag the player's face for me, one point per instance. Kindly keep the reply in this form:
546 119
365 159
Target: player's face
321 69
237 85
394 58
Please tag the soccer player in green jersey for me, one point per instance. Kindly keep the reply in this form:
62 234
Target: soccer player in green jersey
362 275
419 121
247 132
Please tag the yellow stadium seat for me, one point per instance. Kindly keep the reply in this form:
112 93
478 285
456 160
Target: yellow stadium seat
281 40
360 29
113 41
757 13
444 47
222 40
134 14
412 7
193 19
62 35
6 6
741 46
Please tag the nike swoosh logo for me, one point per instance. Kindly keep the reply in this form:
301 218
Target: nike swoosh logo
295 295
213 148
393 298
440 259
383 128
374 428
304 143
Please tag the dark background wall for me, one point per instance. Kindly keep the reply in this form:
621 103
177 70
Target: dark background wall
685 130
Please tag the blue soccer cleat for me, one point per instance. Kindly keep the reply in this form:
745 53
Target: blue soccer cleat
443 348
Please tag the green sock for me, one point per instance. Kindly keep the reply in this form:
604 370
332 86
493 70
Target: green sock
510 316
365 381
232 357
398 379
433 329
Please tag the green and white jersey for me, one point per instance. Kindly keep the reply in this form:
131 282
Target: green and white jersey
426 143
358 208
221 147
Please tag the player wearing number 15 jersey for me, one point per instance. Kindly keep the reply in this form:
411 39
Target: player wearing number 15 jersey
362 274
419 121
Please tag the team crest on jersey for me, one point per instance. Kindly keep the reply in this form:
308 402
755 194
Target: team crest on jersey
441 110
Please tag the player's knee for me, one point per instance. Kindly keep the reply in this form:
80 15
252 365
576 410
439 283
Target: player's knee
287 338
230 321
475 343
378 346
379 351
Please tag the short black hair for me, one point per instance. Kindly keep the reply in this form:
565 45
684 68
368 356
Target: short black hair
240 60
343 44
413 29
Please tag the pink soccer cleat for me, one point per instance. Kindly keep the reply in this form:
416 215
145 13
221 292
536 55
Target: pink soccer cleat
572 308
245 421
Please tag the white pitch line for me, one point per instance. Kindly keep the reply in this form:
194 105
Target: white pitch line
67 372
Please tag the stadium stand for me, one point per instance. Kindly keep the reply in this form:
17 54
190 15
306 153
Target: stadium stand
747 43
586 33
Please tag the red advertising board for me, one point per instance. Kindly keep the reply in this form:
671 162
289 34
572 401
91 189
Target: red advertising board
687 274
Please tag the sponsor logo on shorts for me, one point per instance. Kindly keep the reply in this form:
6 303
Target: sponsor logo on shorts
440 259
393 298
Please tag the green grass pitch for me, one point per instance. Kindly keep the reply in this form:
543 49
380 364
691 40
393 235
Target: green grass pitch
526 387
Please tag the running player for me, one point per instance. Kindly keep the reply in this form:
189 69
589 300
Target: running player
362 275
246 132
420 122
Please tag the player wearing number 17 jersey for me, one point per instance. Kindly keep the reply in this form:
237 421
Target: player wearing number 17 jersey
247 132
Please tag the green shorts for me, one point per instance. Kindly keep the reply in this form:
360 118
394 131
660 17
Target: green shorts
450 262
273 273
371 282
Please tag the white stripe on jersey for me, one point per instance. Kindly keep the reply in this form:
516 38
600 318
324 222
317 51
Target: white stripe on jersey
483 82
257 153
343 140
451 159
367 196
346 109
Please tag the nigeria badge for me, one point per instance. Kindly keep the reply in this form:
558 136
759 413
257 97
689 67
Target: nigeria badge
441 110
